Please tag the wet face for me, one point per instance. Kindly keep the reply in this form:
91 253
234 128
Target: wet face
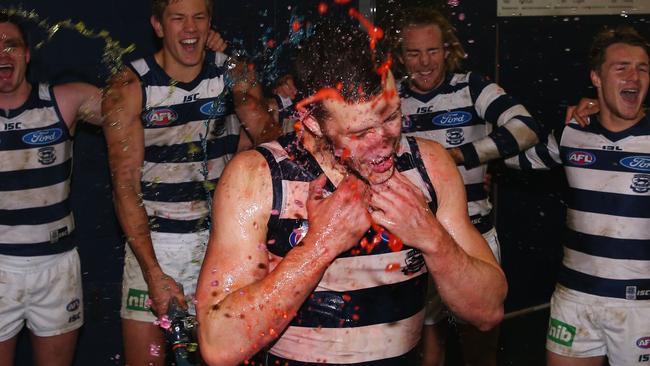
622 81
14 57
365 135
423 54
184 28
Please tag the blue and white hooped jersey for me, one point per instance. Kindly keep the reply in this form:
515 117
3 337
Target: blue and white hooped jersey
368 307
190 133
461 113
607 251
35 169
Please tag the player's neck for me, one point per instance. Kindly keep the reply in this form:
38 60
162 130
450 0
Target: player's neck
15 98
175 69
614 123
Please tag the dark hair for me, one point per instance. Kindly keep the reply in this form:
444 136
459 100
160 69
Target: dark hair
607 37
424 16
6 18
158 7
337 55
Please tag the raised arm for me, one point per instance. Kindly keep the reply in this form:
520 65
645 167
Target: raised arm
125 139
245 301
79 101
516 130
464 269
251 106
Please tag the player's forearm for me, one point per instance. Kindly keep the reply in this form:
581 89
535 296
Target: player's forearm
133 219
505 141
247 319
472 288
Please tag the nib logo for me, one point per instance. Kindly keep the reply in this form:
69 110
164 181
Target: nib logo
137 300
561 333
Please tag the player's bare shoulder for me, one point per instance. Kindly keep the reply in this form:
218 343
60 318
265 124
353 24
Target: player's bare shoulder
435 156
247 175
123 89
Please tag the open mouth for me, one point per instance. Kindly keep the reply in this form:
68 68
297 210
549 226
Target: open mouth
6 70
381 164
189 44
630 95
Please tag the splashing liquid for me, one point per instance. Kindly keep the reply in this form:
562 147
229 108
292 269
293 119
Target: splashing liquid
112 54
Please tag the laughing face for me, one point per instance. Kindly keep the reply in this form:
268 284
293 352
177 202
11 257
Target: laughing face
184 28
14 56
622 82
423 55
365 135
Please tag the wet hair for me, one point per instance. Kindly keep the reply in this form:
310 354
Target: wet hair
607 37
158 7
337 54
6 18
423 16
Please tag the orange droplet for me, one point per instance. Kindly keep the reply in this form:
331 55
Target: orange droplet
355 317
346 154
394 243
270 43
346 297
341 2
295 25
364 242
322 8
392 267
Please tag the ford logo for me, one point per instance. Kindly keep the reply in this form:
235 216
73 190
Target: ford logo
214 108
641 163
643 342
43 137
161 117
581 158
452 119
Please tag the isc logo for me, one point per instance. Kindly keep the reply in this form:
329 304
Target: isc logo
581 158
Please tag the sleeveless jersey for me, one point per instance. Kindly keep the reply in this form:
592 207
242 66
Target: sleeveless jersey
35 169
460 113
607 249
368 306
190 133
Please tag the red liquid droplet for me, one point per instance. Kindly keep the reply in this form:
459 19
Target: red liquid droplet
392 267
322 8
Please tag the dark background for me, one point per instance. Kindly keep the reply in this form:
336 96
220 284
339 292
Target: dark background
539 60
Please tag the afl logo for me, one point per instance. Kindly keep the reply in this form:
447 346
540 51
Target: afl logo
452 119
298 234
215 108
73 305
161 117
640 163
581 158
643 342
43 137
